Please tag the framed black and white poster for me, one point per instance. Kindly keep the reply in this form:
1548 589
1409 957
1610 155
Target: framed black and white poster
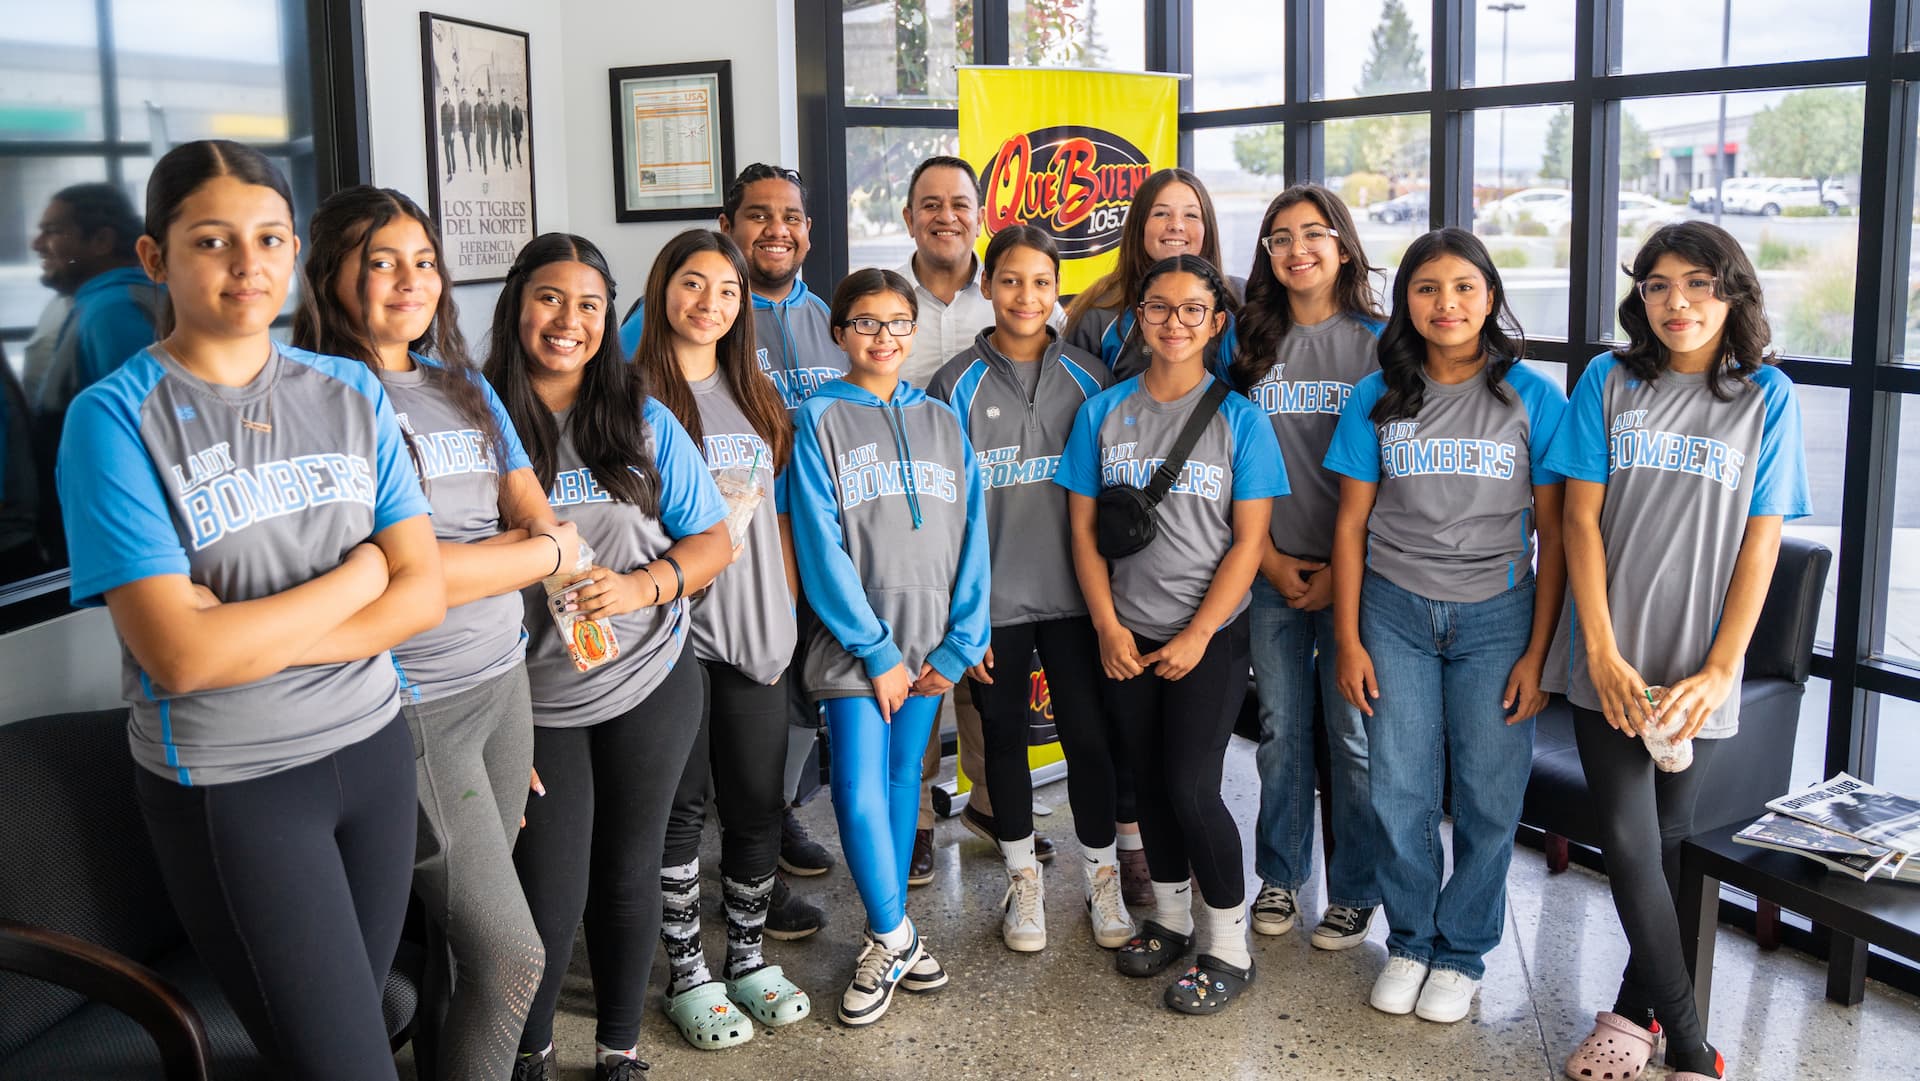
672 140
479 143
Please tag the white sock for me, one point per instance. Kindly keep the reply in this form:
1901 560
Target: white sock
605 1054
1223 934
1096 858
1019 854
897 939
1128 842
1173 906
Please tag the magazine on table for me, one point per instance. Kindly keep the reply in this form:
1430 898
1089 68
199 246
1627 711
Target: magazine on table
1861 859
1846 804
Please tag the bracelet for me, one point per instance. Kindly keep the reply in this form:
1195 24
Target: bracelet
648 571
557 554
679 577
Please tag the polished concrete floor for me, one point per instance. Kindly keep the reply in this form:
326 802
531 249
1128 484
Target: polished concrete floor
1064 1012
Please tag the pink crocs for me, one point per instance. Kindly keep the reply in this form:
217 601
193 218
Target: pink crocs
1616 1050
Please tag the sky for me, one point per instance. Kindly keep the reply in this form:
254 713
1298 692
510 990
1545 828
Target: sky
207 28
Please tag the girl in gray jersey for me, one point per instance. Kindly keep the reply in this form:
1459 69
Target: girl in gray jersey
1440 633
697 352
384 298
246 513
1683 455
611 742
1016 392
1307 335
1169 617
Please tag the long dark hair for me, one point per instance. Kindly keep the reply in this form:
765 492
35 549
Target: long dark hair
752 391
1746 340
1216 282
180 172
337 241
606 421
1121 285
1403 352
1267 314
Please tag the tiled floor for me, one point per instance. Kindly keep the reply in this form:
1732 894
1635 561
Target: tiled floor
1064 1013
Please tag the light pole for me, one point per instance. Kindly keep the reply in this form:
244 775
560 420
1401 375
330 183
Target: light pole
1505 9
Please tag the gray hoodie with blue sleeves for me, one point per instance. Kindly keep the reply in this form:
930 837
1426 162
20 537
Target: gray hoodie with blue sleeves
1018 440
889 528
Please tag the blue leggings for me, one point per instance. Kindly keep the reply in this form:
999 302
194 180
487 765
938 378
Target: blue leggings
876 797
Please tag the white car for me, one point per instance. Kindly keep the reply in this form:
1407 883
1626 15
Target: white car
1545 206
1771 199
1702 199
1644 212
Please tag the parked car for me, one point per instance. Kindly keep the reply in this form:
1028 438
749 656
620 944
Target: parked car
1547 206
1771 198
1645 213
1703 199
1402 208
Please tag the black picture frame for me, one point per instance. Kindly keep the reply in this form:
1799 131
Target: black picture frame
480 174
696 188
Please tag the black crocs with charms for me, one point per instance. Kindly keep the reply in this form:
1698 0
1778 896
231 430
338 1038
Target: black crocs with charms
1209 985
1151 951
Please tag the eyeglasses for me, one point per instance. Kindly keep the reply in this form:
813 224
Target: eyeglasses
1695 290
1283 242
869 326
1155 313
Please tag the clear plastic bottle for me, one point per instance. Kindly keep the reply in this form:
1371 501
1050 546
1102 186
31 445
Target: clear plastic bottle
590 642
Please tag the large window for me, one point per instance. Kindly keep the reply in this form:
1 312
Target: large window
96 91
1755 114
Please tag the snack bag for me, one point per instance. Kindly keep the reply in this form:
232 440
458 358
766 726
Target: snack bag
590 642
1669 755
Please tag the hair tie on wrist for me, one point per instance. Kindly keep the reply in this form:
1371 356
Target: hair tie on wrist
679 577
648 571
558 554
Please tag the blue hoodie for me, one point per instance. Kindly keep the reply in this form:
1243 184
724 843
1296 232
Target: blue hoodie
889 527
793 342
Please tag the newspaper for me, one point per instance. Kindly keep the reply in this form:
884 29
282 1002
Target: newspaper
1846 804
1861 859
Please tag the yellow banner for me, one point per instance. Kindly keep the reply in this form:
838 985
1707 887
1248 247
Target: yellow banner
1066 150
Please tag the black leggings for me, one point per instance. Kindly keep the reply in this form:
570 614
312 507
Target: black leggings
1176 733
293 887
592 845
1638 806
1070 653
740 757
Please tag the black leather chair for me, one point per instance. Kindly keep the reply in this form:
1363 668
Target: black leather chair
1751 768
96 974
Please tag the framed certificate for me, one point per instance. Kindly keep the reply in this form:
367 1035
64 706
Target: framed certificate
672 140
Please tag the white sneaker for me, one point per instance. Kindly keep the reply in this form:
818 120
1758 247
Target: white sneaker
1398 987
924 975
1107 909
1447 996
1274 911
1025 924
875 975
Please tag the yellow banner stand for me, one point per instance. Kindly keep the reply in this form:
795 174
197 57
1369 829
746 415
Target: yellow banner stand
1066 150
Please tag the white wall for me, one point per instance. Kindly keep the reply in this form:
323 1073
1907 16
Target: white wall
573 44
61 666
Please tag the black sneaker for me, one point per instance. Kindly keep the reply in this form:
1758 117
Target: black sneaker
789 916
800 854
1342 928
537 1067
620 1069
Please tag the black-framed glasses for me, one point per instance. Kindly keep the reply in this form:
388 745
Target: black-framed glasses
870 326
1312 238
1695 288
1157 312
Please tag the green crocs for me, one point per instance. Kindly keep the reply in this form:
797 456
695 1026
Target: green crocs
770 997
705 1017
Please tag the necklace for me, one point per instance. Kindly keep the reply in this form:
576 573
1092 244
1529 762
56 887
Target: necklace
263 427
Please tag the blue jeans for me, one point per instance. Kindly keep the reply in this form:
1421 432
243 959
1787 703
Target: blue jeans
1284 641
876 797
1442 668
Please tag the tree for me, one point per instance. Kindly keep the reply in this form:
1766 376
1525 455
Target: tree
1261 151
1058 33
1636 149
1396 63
1813 133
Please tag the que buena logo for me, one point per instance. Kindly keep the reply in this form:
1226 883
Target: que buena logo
1073 181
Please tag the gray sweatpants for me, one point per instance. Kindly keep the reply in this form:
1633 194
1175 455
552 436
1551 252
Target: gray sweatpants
473 752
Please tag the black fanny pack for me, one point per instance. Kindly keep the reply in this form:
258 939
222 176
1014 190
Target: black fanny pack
1124 521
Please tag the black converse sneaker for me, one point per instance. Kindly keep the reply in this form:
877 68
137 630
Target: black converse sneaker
1342 928
1274 912
875 975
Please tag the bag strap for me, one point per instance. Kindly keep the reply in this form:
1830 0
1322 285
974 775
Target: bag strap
1197 421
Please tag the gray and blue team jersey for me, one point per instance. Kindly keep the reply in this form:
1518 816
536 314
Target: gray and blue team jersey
159 477
889 528
1018 436
792 341
1303 395
480 639
1121 437
746 619
1684 471
1453 517
624 538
